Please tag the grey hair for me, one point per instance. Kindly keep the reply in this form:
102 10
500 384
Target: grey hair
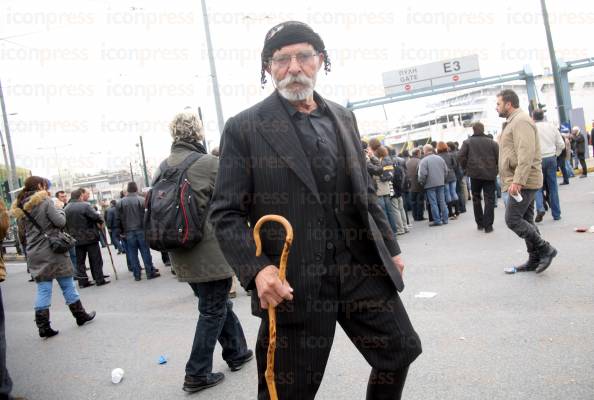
186 126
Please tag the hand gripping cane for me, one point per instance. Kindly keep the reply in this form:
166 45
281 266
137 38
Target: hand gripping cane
269 374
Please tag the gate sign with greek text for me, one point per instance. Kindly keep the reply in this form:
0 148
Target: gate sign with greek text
451 71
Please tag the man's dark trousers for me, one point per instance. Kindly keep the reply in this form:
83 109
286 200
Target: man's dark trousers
365 303
95 262
217 322
484 218
519 217
418 205
562 165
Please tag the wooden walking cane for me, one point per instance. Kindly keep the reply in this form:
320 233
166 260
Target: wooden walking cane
109 251
269 374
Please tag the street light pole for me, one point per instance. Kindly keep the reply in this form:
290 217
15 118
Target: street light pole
146 181
563 115
13 182
131 173
213 70
5 157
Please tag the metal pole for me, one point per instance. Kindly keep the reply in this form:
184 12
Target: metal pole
213 70
5 157
204 142
131 172
59 169
146 181
563 117
13 178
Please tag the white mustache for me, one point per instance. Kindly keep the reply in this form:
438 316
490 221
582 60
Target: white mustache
300 79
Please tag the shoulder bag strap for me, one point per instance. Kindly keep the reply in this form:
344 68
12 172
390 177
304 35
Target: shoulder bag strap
33 221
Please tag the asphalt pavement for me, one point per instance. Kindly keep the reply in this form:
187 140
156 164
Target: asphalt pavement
485 334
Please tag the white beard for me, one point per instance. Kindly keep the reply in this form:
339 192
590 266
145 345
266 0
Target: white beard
299 94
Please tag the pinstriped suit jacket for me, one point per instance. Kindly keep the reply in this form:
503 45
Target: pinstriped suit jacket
263 170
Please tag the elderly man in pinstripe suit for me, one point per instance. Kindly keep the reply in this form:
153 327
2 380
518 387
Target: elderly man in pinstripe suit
298 155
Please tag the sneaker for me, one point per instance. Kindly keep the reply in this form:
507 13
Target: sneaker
435 224
488 229
154 275
238 364
193 384
583 176
539 216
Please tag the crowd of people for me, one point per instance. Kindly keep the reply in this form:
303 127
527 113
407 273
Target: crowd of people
438 177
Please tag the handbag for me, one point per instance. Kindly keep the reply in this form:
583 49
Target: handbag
60 243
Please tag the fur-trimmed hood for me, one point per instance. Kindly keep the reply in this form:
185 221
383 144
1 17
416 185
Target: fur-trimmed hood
30 202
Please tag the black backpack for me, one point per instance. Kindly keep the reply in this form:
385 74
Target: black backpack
172 219
399 180
388 170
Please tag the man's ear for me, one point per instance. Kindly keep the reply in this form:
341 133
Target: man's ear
321 62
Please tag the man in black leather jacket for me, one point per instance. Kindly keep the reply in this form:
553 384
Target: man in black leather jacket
130 217
81 222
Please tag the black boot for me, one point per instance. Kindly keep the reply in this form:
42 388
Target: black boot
530 264
78 311
43 323
546 253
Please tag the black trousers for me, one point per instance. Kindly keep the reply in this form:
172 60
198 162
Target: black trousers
482 217
583 164
519 217
417 200
363 300
95 262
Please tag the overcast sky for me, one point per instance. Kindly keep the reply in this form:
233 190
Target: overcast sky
90 76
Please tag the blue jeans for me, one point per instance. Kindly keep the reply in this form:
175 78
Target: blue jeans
549 173
216 322
439 210
450 192
569 169
44 292
134 242
115 240
386 204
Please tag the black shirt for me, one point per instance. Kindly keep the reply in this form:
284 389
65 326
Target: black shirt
318 138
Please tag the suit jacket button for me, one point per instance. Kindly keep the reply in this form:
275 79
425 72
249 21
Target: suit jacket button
318 257
329 245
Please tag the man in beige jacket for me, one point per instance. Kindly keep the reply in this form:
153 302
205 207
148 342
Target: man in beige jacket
521 176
